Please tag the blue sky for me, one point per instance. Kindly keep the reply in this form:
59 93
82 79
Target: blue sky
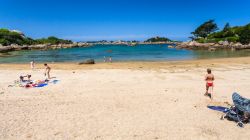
118 19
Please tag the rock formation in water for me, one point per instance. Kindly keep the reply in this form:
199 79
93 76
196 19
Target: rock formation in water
212 46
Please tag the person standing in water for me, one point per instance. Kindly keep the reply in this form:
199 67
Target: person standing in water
104 59
32 65
209 78
110 59
47 71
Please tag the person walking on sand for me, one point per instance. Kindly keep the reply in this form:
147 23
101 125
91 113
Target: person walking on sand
209 78
32 65
47 71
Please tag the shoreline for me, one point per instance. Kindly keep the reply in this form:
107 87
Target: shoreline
14 47
214 62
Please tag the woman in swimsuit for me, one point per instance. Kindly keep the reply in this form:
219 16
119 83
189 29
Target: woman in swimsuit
47 71
209 78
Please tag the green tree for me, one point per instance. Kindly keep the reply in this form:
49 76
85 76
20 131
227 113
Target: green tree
205 29
8 37
11 37
52 40
158 39
226 27
245 35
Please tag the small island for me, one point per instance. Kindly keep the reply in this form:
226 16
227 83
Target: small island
14 40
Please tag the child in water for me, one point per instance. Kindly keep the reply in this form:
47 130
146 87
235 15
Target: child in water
110 59
104 59
32 65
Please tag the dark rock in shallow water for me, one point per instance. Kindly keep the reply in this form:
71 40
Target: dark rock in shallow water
87 61
6 48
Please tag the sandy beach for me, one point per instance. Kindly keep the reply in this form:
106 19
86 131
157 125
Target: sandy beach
123 101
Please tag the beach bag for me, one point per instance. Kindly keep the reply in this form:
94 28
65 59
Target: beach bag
241 103
236 112
233 114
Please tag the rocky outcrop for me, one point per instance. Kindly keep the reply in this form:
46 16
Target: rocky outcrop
170 46
212 46
14 47
87 61
6 48
195 45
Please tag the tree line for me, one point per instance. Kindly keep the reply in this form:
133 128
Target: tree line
158 39
208 32
8 37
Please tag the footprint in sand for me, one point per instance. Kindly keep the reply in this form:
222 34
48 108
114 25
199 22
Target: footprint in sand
29 136
57 133
97 137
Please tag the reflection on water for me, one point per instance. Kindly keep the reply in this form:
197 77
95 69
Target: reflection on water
117 52
202 54
7 54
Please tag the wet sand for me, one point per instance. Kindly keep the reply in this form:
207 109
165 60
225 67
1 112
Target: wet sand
137 65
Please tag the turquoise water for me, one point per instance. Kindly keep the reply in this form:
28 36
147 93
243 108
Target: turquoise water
117 52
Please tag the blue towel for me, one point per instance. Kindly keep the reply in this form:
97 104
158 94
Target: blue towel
42 85
219 108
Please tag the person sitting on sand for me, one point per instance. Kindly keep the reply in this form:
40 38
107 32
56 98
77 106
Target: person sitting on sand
209 78
22 80
47 71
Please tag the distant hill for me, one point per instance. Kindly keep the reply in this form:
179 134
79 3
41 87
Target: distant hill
8 37
158 39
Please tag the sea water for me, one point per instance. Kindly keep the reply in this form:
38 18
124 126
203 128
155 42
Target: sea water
118 53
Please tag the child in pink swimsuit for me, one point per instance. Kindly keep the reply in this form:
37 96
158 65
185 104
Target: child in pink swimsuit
209 78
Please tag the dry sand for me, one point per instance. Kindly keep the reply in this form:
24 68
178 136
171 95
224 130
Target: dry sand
123 101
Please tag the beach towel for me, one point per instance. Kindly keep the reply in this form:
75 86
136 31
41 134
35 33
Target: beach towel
31 84
41 85
46 83
219 108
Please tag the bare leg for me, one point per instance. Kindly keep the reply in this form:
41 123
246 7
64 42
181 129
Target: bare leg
212 90
207 87
48 74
